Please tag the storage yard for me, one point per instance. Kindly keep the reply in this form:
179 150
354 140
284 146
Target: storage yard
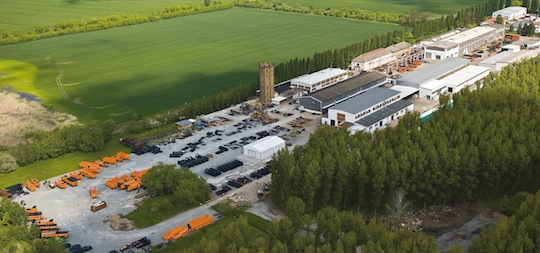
71 207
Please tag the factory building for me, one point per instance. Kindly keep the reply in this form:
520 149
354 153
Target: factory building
511 13
361 106
452 83
432 71
320 101
319 80
372 59
503 59
464 42
264 148
380 119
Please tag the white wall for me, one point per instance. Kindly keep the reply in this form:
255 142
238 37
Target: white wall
373 63
382 124
440 55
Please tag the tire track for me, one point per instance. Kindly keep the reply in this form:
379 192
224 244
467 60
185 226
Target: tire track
59 81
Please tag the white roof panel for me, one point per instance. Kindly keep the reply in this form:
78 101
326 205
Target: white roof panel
469 34
465 75
433 85
265 143
318 76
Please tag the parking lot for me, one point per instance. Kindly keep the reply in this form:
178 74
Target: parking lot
70 208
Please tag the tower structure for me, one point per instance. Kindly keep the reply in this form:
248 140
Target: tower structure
266 82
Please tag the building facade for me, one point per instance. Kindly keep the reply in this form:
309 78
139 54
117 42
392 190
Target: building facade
319 80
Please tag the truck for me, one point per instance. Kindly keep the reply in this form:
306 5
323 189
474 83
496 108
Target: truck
98 206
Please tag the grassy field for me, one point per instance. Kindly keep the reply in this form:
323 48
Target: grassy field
144 217
153 67
259 227
58 166
25 15
393 6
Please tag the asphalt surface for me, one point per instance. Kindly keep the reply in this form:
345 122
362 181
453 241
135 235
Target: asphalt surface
70 208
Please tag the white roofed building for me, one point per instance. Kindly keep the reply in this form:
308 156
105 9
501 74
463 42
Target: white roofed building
372 59
432 89
264 148
465 42
465 77
319 80
511 13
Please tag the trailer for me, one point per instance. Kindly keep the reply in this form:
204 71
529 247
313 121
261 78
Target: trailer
70 180
200 222
98 206
87 173
93 192
60 184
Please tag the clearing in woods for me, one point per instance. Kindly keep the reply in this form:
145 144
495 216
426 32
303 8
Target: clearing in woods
156 66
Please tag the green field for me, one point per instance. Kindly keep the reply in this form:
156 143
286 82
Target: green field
24 15
153 67
393 6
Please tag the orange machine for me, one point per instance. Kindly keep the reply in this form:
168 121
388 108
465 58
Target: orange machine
29 185
76 174
121 156
100 163
34 216
93 192
200 222
87 173
109 160
85 164
58 234
126 178
50 227
114 182
31 210
70 180
134 185
45 222
94 169
176 233
35 182
60 184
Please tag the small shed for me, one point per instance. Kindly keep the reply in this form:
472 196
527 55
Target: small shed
265 147
184 124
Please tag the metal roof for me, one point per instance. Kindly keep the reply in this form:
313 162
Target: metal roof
470 34
442 45
494 59
346 88
318 76
432 71
398 47
509 10
465 74
383 113
433 85
405 90
365 100
372 55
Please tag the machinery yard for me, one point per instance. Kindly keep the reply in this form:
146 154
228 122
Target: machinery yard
71 207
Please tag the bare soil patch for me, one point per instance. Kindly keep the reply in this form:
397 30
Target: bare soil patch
19 116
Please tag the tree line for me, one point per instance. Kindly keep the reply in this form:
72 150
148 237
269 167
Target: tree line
88 138
93 24
485 147
327 231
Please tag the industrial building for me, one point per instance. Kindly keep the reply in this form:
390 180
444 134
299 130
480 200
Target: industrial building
532 44
465 77
320 101
503 59
264 148
453 83
372 59
266 82
361 106
511 13
432 71
386 59
380 119
319 80
460 42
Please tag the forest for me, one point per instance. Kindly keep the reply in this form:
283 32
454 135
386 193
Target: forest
483 148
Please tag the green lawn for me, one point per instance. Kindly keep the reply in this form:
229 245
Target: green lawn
259 228
393 6
144 217
25 15
58 166
153 67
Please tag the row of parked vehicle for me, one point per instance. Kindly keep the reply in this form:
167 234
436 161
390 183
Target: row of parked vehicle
193 161
143 245
239 182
